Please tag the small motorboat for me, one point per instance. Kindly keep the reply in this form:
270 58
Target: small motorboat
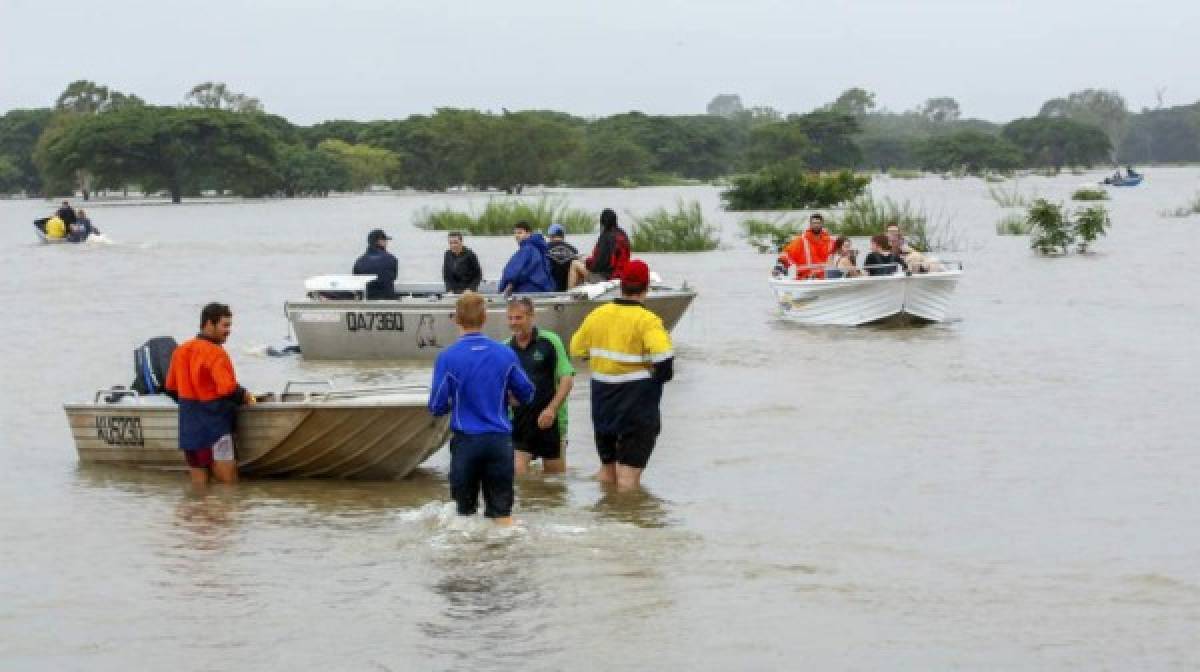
870 299
1130 179
310 430
336 322
39 227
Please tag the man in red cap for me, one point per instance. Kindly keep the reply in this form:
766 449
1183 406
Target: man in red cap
631 356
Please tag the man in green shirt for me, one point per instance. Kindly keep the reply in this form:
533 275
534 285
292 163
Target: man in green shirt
540 427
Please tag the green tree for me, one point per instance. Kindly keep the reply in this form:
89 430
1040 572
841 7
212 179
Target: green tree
1097 107
310 172
939 110
364 166
19 133
608 157
831 135
217 96
856 102
1058 142
728 105
777 142
972 151
87 97
179 150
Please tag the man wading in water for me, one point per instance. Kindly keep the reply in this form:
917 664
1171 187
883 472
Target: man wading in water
540 427
477 378
202 380
631 357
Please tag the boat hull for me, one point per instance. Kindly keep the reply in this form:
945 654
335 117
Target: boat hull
851 302
417 328
376 440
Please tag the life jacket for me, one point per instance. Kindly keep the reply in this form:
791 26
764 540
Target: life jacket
808 250
56 228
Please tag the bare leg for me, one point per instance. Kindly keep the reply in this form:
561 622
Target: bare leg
558 466
199 477
503 521
607 473
577 274
225 471
521 462
628 478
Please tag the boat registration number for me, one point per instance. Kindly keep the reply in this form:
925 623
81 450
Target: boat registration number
120 430
375 321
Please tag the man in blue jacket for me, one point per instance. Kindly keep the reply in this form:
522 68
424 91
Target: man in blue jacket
476 379
377 261
528 270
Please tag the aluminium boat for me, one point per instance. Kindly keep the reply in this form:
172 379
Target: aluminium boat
870 299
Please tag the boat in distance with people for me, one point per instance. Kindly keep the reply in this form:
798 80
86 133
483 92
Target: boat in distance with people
335 321
310 430
868 299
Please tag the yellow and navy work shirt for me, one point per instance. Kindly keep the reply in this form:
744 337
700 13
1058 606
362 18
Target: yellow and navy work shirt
631 357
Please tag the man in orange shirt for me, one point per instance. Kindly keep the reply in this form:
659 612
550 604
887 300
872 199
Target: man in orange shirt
202 380
808 251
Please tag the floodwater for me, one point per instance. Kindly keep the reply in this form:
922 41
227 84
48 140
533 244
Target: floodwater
1015 489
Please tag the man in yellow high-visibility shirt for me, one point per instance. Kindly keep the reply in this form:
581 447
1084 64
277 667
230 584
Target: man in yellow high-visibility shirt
631 357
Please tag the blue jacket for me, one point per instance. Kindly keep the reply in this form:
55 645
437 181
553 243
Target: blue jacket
380 263
528 270
472 378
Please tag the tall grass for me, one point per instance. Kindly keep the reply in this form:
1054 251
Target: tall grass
500 214
1008 198
1089 194
1187 210
683 230
902 174
1014 224
866 216
770 235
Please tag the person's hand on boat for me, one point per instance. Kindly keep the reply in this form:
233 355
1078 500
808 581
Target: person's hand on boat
547 418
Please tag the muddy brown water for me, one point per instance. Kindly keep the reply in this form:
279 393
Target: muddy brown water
1016 488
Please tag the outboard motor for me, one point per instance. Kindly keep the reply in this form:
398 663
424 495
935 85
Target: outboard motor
150 365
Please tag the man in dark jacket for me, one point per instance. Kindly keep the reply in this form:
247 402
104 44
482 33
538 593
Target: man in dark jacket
460 268
528 270
612 250
377 261
66 213
565 265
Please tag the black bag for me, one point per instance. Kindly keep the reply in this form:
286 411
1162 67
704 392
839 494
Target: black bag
150 365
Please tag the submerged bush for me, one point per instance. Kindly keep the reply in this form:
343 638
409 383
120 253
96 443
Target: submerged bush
1187 210
1014 224
499 216
1051 233
1089 194
901 174
769 236
787 186
683 230
1008 198
1090 224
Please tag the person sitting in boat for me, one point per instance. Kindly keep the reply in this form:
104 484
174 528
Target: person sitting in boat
528 270
565 266
81 229
379 262
807 252
843 260
66 213
1131 173
880 260
460 267
611 252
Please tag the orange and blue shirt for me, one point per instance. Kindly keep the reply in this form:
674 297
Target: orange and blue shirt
202 379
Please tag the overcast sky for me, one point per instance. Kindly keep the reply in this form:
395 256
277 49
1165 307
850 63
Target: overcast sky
312 60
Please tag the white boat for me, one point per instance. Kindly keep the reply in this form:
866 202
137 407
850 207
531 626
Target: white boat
851 302
336 322
373 433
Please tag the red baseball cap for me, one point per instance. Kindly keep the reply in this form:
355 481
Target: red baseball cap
636 273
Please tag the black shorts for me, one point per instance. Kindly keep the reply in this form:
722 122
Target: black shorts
631 449
542 444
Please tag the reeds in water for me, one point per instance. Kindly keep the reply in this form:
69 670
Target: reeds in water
1089 194
1187 210
1014 224
1008 198
902 174
681 230
501 214
866 216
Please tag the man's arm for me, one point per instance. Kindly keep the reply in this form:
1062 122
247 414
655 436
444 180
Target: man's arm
581 341
476 271
519 384
226 381
442 388
659 350
447 280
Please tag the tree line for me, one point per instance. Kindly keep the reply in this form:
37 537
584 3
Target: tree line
216 139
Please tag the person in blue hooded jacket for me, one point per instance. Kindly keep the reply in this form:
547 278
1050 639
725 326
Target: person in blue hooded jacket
528 270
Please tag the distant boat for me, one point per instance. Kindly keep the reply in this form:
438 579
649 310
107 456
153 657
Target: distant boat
1131 180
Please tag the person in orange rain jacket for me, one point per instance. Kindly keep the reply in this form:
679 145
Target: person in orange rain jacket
202 380
807 251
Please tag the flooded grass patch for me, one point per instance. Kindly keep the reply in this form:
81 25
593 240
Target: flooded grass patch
499 216
680 230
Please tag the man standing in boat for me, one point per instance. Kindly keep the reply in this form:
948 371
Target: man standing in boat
460 266
808 251
377 261
478 378
540 427
202 380
631 357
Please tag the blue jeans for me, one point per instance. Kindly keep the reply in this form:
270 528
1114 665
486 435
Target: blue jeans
482 462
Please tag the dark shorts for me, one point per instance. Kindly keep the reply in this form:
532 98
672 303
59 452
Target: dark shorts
631 449
482 463
543 444
203 458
